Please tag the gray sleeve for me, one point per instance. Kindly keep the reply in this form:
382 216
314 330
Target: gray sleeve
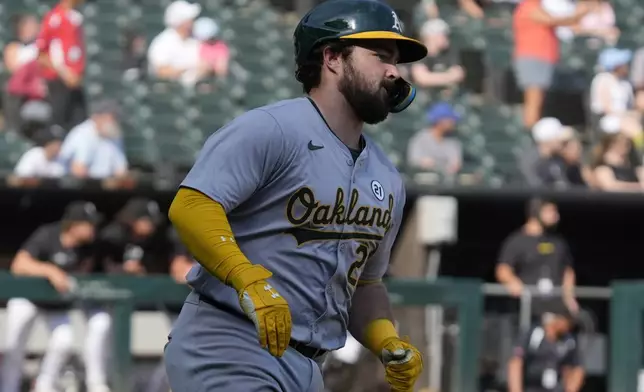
238 159
377 265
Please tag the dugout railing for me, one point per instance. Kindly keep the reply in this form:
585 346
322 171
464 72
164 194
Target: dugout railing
123 294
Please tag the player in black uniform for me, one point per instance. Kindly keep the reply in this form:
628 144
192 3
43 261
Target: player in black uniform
55 251
546 358
133 243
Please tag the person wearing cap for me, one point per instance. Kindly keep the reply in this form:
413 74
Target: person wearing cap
94 148
212 51
131 244
441 66
431 149
55 251
42 159
612 99
174 53
547 168
547 358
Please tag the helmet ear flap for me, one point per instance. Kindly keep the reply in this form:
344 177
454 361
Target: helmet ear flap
402 96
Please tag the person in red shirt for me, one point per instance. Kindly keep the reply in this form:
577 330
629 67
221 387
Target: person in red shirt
536 53
62 52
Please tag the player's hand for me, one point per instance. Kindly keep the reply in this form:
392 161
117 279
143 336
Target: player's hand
60 280
403 364
133 267
515 288
266 308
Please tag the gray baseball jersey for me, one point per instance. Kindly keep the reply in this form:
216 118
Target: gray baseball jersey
300 205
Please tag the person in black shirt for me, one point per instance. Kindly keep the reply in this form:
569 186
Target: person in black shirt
546 358
132 243
55 251
535 255
615 169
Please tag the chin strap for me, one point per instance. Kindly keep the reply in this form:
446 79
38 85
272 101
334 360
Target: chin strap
403 96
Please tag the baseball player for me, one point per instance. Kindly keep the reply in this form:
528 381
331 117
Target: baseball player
291 212
54 251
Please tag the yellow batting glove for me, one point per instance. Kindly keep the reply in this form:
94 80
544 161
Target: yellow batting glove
403 364
265 307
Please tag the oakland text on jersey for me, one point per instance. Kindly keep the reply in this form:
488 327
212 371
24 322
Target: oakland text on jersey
316 215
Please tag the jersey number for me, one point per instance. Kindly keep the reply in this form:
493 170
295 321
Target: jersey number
364 255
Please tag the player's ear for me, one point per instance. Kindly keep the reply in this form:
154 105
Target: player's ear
332 59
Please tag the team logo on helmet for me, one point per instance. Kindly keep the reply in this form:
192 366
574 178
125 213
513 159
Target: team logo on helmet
397 25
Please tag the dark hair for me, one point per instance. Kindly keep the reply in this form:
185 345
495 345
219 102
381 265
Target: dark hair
309 73
606 142
534 206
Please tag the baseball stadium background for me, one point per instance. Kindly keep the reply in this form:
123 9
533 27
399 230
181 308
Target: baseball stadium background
454 226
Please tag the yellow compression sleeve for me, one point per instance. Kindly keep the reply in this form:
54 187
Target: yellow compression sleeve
204 229
377 333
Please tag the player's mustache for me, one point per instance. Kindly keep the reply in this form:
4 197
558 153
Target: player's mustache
389 85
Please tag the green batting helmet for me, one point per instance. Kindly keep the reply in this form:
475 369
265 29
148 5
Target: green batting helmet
339 20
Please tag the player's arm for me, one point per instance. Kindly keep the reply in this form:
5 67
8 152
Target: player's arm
235 162
515 364
371 316
573 371
510 253
180 260
26 262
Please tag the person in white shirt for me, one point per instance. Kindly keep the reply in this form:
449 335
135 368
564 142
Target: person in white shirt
612 98
93 148
174 53
41 160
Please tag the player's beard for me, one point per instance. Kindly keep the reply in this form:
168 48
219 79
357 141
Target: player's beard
370 104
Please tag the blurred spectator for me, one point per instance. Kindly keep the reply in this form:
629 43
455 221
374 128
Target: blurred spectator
54 251
441 66
174 53
612 99
599 22
536 53
134 54
547 357
536 255
560 153
25 99
542 166
42 159
430 9
576 173
130 243
212 51
613 167
62 51
432 149
22 49
93 149
473 8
